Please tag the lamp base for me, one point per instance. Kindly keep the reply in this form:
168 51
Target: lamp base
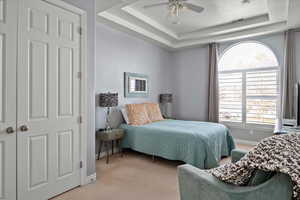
107 125
108 128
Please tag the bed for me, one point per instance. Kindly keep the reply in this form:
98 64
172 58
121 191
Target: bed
201 144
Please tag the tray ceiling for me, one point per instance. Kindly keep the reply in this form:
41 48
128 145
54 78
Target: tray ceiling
221 20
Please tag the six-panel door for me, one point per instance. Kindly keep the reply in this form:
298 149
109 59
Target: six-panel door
8 63
48 104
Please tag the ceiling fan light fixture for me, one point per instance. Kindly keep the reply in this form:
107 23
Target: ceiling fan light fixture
175 7
245 1
173 12
174 19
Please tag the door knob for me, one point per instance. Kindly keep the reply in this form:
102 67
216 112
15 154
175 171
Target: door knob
24 128
10 130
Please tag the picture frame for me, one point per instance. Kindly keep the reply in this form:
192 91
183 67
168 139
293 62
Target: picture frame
136 85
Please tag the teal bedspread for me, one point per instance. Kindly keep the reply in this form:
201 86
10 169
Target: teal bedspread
201 144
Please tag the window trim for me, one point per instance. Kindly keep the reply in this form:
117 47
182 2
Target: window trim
249 126
244 124
249 70
246 41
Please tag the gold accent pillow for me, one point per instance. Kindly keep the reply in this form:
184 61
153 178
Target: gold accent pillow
154 112
137 114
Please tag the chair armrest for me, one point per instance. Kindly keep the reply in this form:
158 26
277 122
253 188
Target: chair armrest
237 154
196 184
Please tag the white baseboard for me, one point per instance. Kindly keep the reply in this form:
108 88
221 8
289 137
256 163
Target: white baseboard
90 179
246 142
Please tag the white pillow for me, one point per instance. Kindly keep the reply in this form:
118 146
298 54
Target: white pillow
125 115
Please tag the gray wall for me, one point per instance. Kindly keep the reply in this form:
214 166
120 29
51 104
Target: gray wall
116 53
184 73
190 82
89 7
298 55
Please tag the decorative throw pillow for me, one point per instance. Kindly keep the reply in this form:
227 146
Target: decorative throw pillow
153 112
137 114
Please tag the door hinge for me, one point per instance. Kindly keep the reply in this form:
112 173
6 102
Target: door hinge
79 75
81 164
80 119
80 30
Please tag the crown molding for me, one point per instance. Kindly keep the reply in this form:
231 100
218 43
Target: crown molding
133 27
150 21
264 30
123 15
228 27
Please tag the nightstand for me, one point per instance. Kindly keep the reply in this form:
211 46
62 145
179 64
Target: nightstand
109 137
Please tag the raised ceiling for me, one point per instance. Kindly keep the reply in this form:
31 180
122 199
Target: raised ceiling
221 20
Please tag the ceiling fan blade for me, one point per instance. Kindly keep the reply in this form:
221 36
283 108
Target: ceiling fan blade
194 8
156 5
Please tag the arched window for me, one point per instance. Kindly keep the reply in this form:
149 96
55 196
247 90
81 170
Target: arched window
248 84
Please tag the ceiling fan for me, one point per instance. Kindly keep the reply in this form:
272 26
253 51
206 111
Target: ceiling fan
175 7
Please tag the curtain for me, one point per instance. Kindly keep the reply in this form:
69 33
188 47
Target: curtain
289 77
213 91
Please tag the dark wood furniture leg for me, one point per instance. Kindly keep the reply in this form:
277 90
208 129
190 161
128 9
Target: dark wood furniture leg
120 147
107 152
100 148
112 147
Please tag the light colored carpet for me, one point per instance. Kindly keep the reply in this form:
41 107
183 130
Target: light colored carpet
133 177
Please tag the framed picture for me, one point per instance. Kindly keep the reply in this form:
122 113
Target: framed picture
135 85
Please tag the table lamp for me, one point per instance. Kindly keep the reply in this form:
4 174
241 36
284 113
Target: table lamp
108 100
165 99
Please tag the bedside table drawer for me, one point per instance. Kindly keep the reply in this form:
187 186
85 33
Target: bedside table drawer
114 134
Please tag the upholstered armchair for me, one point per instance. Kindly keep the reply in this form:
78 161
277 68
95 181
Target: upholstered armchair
196 184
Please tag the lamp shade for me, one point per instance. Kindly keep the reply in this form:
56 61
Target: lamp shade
108 100
165 98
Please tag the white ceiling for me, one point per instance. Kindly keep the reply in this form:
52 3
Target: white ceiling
216 12
220 20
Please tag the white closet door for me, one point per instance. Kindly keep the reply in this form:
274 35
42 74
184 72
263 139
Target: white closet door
48 103
8 62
